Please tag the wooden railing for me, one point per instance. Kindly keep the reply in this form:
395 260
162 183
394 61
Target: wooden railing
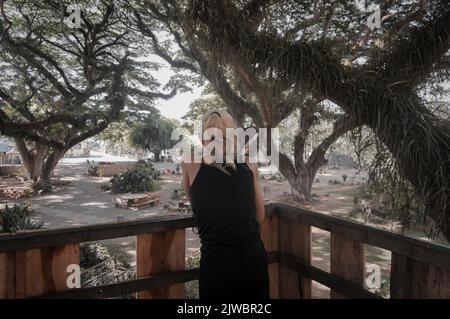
34 263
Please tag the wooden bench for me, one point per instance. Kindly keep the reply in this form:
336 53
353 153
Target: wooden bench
136 201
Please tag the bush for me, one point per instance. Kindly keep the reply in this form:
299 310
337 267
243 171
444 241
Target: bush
157 174
92 169
191 287
105 187
135 181
101 266
17 217
42 187
334 182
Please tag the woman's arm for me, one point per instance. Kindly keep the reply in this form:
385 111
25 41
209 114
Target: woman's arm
260 210
186 182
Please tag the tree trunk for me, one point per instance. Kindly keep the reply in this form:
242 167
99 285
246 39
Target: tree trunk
300 180
49 166
39 161
157 154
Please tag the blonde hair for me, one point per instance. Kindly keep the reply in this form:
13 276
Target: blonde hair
218 119
221 120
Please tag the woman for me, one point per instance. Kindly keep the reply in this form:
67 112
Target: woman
228 209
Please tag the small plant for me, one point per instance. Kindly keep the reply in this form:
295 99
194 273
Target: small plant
355 202
92 169
191 288
334 182
105 187
134 181
42 187
102 265
157 174
17 217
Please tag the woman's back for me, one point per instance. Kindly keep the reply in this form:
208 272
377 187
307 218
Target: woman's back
224 206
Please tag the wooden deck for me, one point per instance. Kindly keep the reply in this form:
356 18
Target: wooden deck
34 263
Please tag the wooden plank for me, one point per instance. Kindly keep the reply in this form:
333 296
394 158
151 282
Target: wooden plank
129 286
25 240
401 272
161 253
347 260
415 279
7 275
135 285
294 239
429 281
337 283
416 249
41 271
269 235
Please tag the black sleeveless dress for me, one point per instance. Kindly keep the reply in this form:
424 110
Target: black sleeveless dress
233 262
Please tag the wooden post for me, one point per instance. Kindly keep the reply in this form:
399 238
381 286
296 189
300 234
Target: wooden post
37 271
159 253
294 239
347 260
401 274
414 279
269 235
7 275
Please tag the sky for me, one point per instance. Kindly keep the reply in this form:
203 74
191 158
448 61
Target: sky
177 106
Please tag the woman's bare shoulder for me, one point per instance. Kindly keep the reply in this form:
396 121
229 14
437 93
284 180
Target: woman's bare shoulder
253 166
189 166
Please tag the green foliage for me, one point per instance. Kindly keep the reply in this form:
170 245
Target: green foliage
208 101
92 254
191 288
105 187
17 217
42 187
92 171
395 194
153 134
101 265
134 181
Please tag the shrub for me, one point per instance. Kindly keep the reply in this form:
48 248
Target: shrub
17 217
191 287
42 187
101 266
137 180
92 169
334 182
156 174
105 187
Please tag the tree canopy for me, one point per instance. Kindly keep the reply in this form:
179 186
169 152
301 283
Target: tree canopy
60 85
325 50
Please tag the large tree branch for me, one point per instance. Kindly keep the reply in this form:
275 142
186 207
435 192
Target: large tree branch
340 127
176 63
417 50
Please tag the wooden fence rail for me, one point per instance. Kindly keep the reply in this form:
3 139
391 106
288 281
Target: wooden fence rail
34 263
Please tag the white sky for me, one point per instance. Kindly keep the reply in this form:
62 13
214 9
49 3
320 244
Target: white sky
177 106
